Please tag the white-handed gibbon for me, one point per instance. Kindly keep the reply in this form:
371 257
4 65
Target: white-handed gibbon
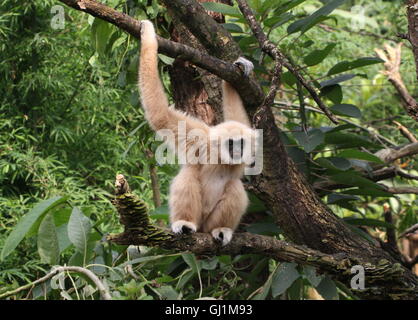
205 197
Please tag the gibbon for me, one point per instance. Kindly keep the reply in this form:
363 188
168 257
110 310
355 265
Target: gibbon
204 197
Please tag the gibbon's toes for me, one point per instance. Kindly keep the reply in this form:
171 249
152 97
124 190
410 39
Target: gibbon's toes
245 65
183 226
222 234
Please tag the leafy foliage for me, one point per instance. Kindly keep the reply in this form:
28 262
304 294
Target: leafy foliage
70 117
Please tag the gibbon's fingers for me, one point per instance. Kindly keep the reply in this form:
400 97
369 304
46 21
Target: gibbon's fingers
245 65
222 234
183 226
148 35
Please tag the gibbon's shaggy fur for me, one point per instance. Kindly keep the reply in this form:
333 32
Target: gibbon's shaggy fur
203 197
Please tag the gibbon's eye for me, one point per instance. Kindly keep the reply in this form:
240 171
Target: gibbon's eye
235 147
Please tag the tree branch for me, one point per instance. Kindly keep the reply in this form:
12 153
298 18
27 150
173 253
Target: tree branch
392 59
102 289
412 12
249 89
139 231
271 49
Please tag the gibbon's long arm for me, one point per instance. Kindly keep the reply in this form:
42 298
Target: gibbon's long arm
154 100
233 108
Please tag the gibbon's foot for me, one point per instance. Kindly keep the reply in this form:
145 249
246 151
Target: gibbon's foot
222 234
245 65
183 226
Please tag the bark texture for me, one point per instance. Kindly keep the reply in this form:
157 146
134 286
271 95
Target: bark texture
139 231
299 211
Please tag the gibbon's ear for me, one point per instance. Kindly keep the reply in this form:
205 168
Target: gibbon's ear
233 107
153 97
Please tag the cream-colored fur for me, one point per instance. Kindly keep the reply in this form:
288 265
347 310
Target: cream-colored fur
203 197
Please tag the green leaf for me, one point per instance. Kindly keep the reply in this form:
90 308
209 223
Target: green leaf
287 6
350 65
356 154
79 227
347 140
283 278
47 241
232 27
310 273
101 32
311 140
327 289
368 192
333 93
307 23
167 60
317 56
336 80
349 110
337 197
210 263
278 21
334 163
289 78
63 240
190 259
221 8
27 221
353 179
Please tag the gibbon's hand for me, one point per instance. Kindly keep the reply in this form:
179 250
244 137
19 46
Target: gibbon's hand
148 36
245 65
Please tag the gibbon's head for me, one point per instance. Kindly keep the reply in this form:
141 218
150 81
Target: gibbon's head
234 143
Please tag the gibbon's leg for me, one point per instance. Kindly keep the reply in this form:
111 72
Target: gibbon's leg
153 97
233 108
224 219
185 201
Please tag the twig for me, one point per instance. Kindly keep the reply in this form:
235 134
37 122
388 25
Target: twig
392 58
272 50
392 154
102 289
405 132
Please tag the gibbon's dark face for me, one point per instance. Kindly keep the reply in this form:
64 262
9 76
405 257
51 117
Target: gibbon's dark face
235 143
236 148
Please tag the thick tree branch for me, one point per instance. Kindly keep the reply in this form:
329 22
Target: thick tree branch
248 88
139 231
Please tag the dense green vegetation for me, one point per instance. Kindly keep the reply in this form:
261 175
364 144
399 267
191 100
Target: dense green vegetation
70 120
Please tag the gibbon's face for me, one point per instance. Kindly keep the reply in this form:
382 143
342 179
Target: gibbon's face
234 142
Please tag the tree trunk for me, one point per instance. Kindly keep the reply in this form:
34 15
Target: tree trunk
195 90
